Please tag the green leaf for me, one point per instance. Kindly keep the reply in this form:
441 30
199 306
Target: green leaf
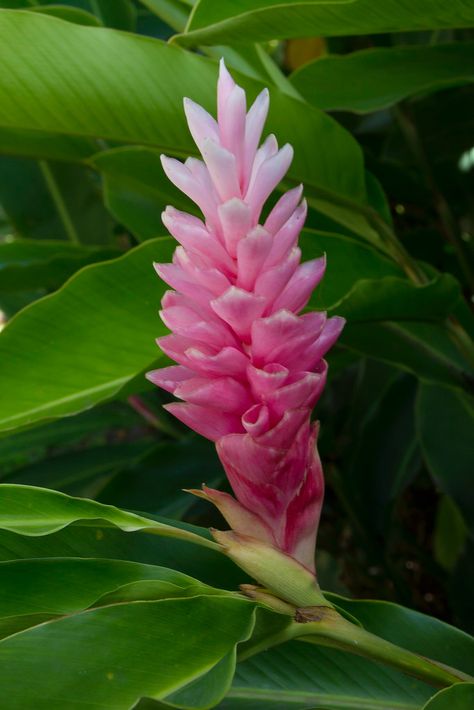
29 264
150 650
377 78
91 337
26 510
458 697
80 88
445 424
259 20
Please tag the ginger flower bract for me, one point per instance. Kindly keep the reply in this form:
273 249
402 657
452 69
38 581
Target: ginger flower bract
250 368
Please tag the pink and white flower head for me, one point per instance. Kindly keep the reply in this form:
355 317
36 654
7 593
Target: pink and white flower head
250 368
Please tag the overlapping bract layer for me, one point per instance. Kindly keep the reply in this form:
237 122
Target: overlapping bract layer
250 369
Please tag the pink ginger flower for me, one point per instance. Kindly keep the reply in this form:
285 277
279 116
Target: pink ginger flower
250 369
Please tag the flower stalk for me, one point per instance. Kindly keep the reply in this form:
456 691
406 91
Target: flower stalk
324 626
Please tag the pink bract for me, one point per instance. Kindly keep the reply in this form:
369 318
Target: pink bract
250 369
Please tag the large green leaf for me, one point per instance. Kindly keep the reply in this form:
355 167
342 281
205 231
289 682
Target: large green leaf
91 337
445 422
27 510
376 78
114 655
29 264
99 83
37 591
257 20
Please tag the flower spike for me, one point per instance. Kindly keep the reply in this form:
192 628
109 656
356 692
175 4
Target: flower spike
250 368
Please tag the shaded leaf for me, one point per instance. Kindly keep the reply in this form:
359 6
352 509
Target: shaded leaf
89 428
449 535
26 193
376 78
120 14
33 264
445 424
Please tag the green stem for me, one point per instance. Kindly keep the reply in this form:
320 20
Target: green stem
58 200
323 626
